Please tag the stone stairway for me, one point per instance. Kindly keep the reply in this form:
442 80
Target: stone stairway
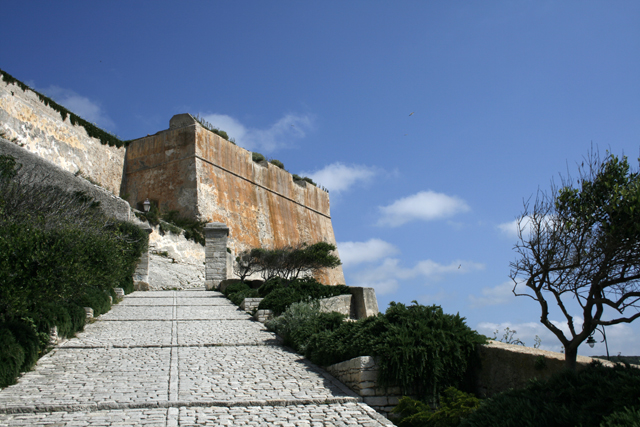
179 358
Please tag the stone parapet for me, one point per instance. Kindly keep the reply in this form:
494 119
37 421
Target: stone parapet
340 304
216 235
250 304
263 315
360 374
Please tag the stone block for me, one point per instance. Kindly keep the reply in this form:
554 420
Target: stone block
119 293
340 304
369 376
88 313
364 302
376 401
367 392
393 400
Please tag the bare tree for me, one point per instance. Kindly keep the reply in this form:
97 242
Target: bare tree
580 244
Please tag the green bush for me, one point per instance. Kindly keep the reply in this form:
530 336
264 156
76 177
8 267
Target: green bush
11 357
257 157
279 293
58 254
454 406
277 163
302 320
236 287
419 348
569 398
628 417
238 297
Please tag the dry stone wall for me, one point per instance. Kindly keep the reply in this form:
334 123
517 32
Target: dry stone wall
41 130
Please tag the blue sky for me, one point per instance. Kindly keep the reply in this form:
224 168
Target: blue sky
429 122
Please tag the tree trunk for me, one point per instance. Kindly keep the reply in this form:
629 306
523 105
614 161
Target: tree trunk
570 358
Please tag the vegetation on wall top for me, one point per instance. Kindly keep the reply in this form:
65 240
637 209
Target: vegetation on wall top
205 124
93 131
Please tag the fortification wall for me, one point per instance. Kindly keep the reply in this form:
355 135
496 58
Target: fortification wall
37 171
190 169
41 130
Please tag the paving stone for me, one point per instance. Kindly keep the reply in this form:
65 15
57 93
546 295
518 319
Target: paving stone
178 358
93 376
123 334
224 332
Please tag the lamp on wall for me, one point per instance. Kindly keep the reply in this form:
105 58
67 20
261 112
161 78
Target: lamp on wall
146 205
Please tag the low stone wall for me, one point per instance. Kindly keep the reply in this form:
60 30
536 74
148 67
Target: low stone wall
250 304
263 315
340 304
504 366
360 374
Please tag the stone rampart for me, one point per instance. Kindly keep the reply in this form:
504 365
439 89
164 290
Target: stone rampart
196 172
40 129
38 171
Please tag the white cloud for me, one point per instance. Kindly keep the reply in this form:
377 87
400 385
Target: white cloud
424 206
80 105
387 274
340 177
267 140
352 253
509 229
500 294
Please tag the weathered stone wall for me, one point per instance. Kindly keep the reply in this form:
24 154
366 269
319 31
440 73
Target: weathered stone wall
504 366
38 171
192 170
41 130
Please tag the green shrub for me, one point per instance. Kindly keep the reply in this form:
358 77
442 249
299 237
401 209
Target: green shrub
628 417
279 293
58 254
277 163
27 337
257 157
302 320
236 287
238 297
454 406
11 357
569 398
419 348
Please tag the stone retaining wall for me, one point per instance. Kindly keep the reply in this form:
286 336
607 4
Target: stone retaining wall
40 129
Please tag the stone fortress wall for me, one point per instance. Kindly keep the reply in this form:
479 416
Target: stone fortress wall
190 169
41 130
185 168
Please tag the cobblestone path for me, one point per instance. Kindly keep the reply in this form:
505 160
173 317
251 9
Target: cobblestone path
179 358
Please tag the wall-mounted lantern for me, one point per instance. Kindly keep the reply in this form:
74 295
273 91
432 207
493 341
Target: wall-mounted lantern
146 205
591 341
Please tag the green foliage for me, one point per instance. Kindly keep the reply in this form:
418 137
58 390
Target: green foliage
568 399
172 222
300 321
419 348
277 163
288 262
58 254
628 417
11 357
454 406
540 363
297 177
581 243
93 131
509 337
257 157
280 293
